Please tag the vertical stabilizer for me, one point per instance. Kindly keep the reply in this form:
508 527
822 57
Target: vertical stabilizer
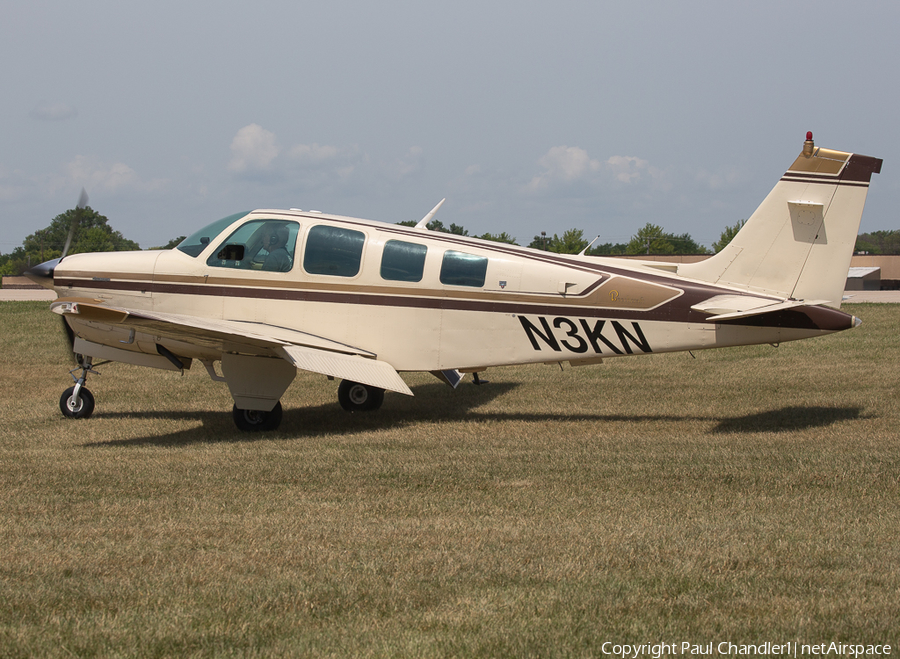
799 242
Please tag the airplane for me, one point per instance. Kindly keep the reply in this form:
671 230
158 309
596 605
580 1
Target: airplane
268 292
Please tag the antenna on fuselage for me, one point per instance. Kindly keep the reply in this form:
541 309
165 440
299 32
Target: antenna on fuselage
584 251
423 223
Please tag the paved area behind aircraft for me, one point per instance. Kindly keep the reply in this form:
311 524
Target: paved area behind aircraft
871 296
28 295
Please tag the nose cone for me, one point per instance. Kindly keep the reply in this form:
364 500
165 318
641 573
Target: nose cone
43 274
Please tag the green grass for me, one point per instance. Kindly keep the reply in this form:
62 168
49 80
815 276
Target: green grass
747 495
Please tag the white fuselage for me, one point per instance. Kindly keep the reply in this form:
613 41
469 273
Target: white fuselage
531 306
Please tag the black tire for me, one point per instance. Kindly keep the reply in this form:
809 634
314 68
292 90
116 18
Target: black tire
356 397
256 420
85 407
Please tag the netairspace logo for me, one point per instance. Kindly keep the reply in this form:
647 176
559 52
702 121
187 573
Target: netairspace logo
726 648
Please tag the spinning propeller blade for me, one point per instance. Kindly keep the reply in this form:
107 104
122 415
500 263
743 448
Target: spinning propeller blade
82 204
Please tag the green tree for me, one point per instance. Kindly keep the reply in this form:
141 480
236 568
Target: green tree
14 263
172 244
865 245
93 234
684 244
437 225
608 249
541 242
650 239
879 242
499 238
727 235
571 242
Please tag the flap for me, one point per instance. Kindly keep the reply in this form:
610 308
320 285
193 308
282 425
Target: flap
346 367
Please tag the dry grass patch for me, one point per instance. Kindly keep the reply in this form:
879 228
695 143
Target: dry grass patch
746 495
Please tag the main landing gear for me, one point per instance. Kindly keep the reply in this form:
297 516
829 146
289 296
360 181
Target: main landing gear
353 397
356 397
255 420
78 402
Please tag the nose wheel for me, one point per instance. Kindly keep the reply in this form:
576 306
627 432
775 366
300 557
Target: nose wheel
78 402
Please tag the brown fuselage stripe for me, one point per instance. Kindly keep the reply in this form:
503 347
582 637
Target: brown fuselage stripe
802 317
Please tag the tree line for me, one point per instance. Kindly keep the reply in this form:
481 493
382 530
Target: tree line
650 239
94 234
878 242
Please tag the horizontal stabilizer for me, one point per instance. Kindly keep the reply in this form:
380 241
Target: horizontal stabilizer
758 311
725 304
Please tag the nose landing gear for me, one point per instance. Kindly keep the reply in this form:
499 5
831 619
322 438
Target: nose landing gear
78 402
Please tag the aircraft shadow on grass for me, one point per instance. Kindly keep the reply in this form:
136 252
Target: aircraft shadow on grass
789 419
434 404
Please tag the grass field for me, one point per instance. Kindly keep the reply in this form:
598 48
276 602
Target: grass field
745 495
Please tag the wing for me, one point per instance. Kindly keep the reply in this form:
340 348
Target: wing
305 351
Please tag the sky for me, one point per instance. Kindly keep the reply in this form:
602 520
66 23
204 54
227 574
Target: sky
527 116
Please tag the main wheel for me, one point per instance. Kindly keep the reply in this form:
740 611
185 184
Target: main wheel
356 397
80 410
256 420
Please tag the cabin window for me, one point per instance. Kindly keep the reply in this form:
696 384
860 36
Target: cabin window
258 245
333 251
197 242
402 261
460 269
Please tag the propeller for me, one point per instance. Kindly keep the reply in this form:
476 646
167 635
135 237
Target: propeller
43 272
80 206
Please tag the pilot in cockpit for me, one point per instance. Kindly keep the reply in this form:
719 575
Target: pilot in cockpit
278 259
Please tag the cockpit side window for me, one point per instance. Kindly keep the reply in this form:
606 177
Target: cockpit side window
333 251
258 245
197 242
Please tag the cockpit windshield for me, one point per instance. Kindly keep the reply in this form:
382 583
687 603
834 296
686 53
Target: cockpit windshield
197 242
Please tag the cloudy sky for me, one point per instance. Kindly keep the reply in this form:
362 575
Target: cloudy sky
527 116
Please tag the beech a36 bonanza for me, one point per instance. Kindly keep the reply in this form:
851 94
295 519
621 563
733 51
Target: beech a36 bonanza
268 292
